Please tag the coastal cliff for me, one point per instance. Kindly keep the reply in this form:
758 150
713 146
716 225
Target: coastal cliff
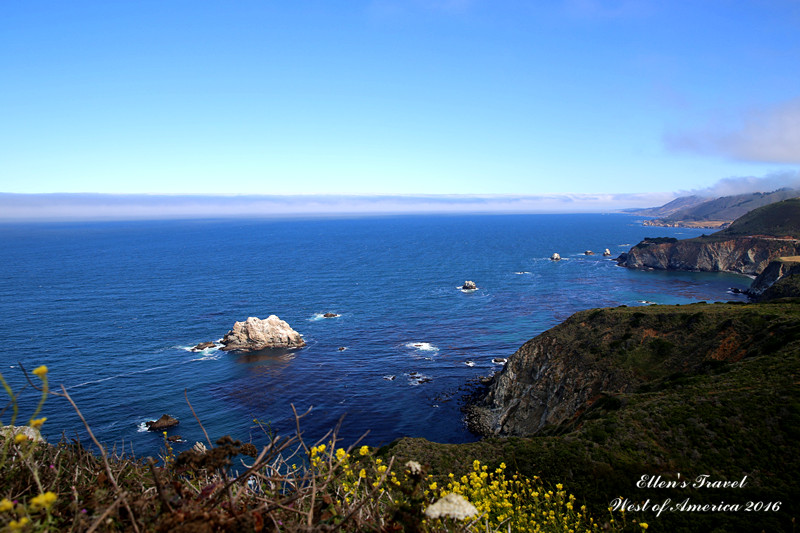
599 354
779 280
741 255
747 246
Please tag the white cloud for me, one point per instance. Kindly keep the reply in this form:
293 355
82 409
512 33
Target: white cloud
769 135
747 184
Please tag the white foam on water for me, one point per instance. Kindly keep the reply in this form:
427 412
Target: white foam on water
422 346
217 345
469 363
116 376
389 377
142 427
213 356
522 272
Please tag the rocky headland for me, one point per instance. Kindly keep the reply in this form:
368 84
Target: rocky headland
255 334
613 394
748 246
741 255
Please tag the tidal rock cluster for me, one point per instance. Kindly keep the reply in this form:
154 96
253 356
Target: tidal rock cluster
255 334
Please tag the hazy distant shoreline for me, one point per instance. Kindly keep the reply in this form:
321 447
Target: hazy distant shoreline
16 207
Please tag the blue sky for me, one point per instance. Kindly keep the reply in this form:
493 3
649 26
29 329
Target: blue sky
387 97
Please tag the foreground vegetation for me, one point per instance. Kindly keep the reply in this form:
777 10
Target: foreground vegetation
287 485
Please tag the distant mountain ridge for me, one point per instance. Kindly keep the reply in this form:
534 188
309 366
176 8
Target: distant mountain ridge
696 211
670 208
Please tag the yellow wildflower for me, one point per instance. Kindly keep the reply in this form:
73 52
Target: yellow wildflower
41 371
20 438
362 473
43 501
37 422
15 525
364 450
6 505
643 525
341 454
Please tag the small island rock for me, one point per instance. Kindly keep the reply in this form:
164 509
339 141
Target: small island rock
329 315
255 334
607 252
469 286
555 257
164 422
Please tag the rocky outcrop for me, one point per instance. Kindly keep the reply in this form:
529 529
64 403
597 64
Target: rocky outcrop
606 252
597 356
555 257
330 315
162 423
203 346
743 255
542 384
255 334
775 271
31 433
469 286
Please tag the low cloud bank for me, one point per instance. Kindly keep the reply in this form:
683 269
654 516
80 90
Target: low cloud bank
56 207
748 184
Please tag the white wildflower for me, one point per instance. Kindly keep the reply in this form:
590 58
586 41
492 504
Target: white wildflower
414 467
452 505
199 447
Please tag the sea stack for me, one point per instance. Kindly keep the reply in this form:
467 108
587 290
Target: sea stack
607 252
555 257
255 334
166 421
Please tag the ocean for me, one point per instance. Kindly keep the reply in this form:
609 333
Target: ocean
112 309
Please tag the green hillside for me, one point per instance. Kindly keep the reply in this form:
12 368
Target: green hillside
733 410
781 219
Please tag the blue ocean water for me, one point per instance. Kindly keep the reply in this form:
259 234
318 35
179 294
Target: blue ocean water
112 308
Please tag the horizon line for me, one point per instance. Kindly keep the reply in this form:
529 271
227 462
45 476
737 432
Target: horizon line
22 207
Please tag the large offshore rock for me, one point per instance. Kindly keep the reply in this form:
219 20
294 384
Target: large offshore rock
255 334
